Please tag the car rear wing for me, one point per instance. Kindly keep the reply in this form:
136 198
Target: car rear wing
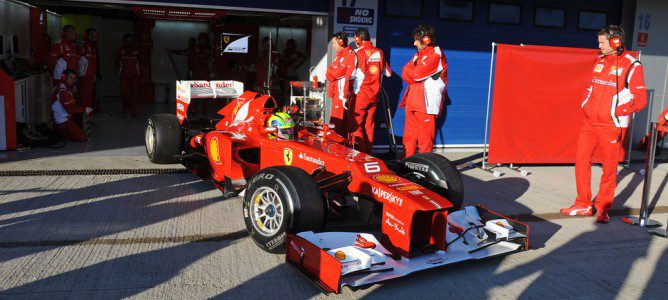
187 90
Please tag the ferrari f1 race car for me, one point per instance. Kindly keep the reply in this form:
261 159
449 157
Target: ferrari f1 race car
295 172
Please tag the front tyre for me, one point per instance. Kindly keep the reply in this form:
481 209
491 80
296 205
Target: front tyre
281 200
436 173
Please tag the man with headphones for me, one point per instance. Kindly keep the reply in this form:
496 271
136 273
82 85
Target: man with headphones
427 77
65 109
63 54
366 77
338 75
616 90
87 51
126 61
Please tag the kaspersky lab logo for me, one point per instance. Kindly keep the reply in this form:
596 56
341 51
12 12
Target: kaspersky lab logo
314 160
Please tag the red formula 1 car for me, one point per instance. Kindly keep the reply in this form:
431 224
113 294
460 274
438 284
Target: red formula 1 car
290 188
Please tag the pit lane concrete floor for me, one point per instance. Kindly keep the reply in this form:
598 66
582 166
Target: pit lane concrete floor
171 235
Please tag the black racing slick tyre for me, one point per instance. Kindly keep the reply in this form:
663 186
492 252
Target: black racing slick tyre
281 200
436 173
163 138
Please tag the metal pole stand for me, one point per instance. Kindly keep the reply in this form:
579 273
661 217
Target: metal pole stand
643 218
483 166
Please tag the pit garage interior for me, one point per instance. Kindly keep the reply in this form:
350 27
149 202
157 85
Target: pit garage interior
170 28
98 220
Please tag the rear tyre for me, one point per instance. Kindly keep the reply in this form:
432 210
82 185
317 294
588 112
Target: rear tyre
281 200
163 138
436 173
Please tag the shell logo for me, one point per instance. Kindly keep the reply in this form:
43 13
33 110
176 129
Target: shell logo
386 178
214 150
340 255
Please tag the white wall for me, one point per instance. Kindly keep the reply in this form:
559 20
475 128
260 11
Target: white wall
172 35
54 23
654 57
321 50
15 20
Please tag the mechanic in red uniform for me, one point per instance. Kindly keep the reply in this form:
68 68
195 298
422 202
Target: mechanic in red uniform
616 90
427 78
201 58
338 75
369 66
87 51
63 54
64 108
126 61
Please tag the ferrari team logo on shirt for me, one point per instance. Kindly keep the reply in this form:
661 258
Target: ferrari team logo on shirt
615 71
598 68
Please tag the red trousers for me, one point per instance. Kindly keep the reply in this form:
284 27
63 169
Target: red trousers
70 131
86 87
419 132
607 140
361 125
337 118
129 92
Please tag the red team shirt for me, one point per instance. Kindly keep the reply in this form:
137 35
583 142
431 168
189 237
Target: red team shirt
127 61
338 73
67 51
424 94
87 66
371 63
609 76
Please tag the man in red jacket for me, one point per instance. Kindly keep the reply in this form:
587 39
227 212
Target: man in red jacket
63 54
87 69
338 75
369 68
64 108
616 90
126 61
427 77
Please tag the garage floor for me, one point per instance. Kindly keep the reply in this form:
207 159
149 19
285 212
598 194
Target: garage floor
171 236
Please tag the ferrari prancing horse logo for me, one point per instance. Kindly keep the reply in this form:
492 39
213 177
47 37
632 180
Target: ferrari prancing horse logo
287 156
226 39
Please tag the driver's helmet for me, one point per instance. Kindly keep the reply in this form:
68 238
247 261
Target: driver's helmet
285 127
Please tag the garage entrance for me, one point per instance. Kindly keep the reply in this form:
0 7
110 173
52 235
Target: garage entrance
166 35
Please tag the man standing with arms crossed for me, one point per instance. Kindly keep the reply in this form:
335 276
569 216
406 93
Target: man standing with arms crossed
338 75
616 90
427 77
366 77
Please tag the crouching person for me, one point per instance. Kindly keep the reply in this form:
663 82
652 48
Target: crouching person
65 110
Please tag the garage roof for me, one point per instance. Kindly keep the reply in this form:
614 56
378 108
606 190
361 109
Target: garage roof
310 7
